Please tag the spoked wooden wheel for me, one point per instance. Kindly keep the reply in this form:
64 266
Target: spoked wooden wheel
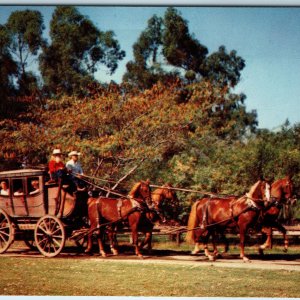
6 231
49 236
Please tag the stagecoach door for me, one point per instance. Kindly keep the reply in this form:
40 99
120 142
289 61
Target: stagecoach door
18 188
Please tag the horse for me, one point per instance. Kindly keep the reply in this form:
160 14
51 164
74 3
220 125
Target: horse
281 192
105 213
160 195
211 215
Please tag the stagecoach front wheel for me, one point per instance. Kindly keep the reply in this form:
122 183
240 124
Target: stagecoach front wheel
6 231
49 236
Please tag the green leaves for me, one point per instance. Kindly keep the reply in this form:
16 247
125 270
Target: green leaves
78 48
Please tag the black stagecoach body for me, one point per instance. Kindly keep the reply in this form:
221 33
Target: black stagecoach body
43 217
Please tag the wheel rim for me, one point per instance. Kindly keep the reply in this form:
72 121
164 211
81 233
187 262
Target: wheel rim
6 232
49 236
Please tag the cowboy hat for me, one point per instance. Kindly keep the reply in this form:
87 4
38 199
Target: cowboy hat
56 151
74 153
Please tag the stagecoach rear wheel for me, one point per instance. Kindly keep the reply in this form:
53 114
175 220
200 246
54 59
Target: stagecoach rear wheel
6 231
49 236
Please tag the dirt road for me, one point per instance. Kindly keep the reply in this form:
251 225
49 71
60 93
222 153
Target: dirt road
288 262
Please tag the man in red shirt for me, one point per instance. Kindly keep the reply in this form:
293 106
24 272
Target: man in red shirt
56 166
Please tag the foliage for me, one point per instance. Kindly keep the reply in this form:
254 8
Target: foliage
146 69
8 69
180 48
166 49
25 30
223 68
77 48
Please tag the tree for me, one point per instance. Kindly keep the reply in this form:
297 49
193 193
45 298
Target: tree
223 68
146 70
25 30
180 48
8 69
77 49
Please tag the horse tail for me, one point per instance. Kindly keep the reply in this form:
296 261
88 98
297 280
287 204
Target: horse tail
192 223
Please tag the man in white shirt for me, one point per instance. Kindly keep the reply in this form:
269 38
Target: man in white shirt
74 166
4 189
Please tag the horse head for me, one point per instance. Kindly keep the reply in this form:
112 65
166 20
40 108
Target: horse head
261 190
141 190
282 189
170 194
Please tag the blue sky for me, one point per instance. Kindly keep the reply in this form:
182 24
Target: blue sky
267 38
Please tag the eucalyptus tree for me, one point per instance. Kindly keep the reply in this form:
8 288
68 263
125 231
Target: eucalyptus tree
8 69
223 68
25 28
145 69
76 51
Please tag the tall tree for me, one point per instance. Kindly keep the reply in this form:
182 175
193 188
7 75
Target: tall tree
25 30
146 69
8 69
77 49
223 68
180 48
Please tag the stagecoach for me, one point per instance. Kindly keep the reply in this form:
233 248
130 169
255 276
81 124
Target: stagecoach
42 215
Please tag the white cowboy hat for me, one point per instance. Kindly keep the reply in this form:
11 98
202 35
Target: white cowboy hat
56 151
74 153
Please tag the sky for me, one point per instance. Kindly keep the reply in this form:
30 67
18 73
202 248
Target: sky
267 38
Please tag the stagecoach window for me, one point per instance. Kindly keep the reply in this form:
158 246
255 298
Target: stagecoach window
4 187
33 186
18 188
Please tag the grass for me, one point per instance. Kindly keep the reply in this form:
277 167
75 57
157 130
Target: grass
91 276
95 277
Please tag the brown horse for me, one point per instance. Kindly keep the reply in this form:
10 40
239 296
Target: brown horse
281 192
160 195
211 215
105 213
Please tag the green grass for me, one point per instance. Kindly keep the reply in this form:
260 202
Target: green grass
93 277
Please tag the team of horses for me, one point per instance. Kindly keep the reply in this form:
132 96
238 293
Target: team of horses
210 216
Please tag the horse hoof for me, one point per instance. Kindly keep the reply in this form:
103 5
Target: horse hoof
246 259
285 250
87 251
115 252
103 254
211 258
140 256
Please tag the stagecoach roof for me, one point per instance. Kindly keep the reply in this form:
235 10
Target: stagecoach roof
21 173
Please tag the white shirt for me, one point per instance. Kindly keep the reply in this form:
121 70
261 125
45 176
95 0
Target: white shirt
4 192
75 167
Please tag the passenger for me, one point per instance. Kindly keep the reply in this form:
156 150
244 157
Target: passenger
4 189
36 188
74 166
56 166
19 192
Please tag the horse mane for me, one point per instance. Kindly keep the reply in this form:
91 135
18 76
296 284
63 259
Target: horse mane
135 188
253 189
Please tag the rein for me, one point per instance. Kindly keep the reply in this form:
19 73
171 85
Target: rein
106 190
151 185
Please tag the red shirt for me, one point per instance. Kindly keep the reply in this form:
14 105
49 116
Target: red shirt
54 166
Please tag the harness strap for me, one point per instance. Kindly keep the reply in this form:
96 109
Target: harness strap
119 205
98 212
